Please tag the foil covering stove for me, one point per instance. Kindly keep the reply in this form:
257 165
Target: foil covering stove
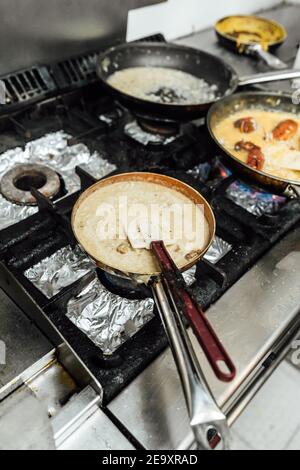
108 319
53 151
134 130
256 202
60 270
218 249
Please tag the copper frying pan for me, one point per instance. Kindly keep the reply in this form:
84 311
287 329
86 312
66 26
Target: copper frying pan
172 299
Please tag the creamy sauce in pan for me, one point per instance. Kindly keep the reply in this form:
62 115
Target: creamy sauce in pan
163 85
117 251
248 29
281 157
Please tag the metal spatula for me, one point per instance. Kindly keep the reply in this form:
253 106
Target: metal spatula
141 233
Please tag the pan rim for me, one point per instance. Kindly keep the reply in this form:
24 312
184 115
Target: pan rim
234 75
142 276
278 25
238 95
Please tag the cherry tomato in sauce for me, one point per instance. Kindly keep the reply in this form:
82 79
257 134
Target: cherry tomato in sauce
256 158
246 125
285 130
242 145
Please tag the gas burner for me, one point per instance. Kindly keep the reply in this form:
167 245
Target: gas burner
123 287
164 129
138 131
113 116
16 184
253 200
52 152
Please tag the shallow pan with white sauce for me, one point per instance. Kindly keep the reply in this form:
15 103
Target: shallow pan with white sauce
173 299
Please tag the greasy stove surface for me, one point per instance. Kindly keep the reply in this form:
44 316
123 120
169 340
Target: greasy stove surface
93 119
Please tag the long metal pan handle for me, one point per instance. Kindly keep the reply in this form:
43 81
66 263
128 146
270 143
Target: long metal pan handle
214 350
203 411
289 74
270 59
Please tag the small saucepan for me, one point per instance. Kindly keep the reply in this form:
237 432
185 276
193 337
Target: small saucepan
172 298
254 36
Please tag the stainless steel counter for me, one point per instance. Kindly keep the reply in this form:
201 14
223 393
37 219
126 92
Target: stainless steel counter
25 344
47 411
288 15
252 318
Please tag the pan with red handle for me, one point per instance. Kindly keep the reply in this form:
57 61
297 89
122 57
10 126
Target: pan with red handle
173 301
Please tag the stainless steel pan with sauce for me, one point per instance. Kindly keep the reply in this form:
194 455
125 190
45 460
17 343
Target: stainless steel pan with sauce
275 102
173 299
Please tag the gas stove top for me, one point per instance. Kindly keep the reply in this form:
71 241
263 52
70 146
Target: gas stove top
58 116
83 136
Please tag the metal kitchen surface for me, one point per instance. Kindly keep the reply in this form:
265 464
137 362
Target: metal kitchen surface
109 335
255 328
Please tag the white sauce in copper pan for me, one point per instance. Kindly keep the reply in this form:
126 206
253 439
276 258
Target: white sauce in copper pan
116 251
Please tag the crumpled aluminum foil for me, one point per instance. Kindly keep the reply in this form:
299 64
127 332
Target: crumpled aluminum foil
190 276
219 248
60 270
53 151
254 201
107 319
135 131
